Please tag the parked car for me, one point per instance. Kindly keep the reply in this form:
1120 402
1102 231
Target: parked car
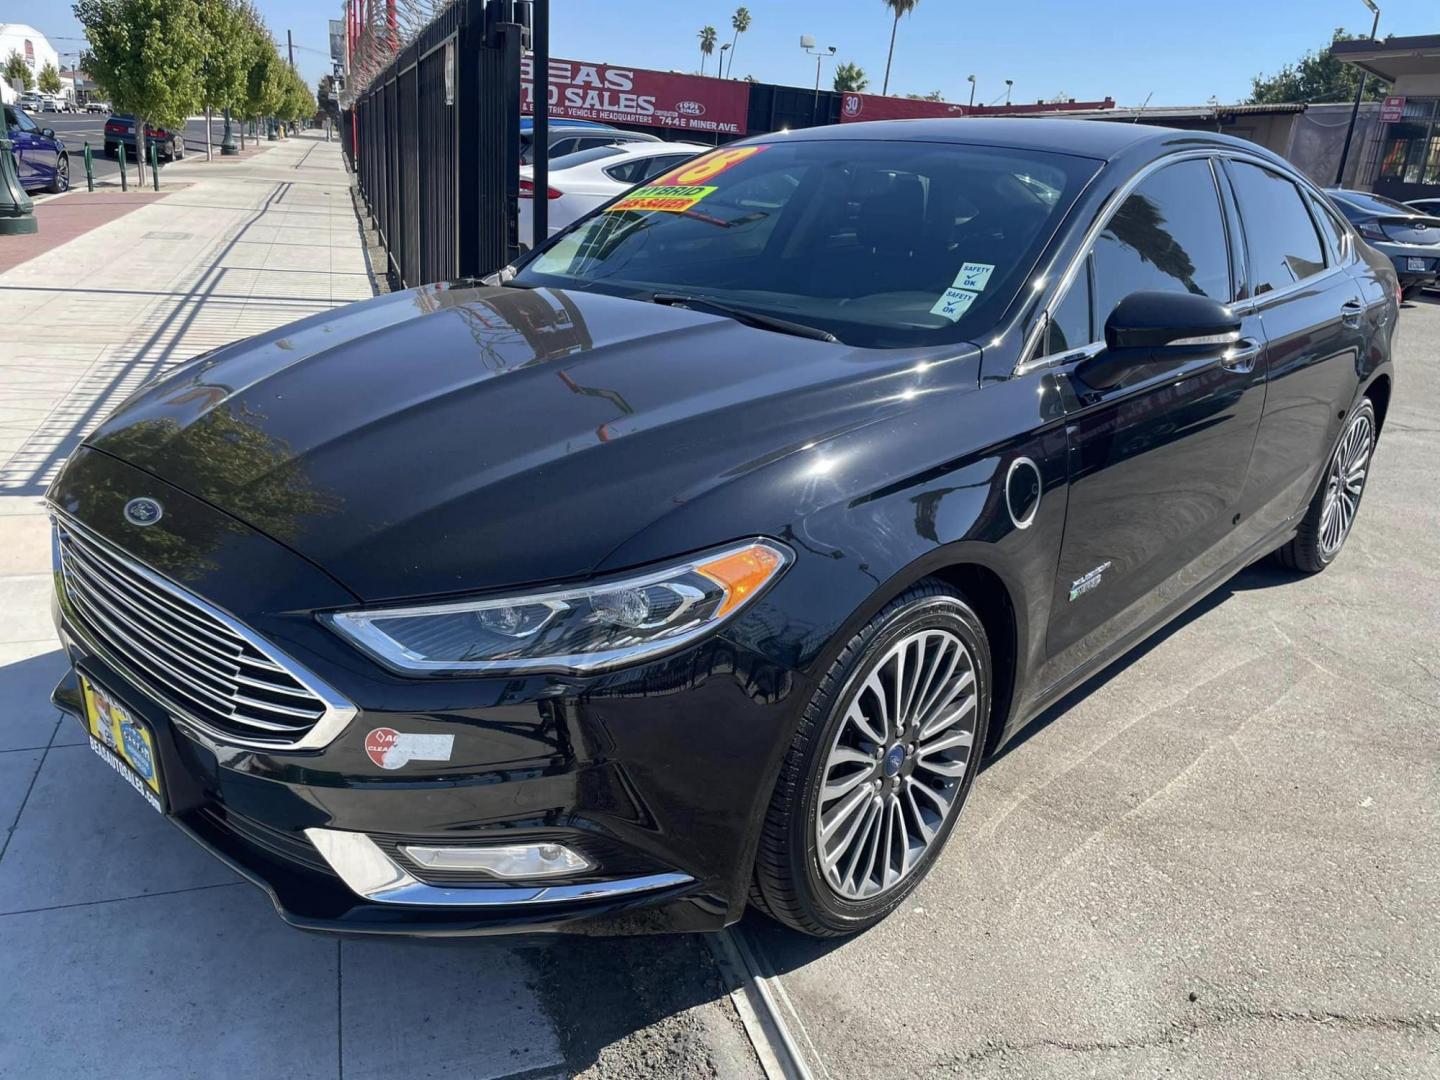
527 123
698 558
50 104
120 131
1425 206
569 139
1407 237
40 155
97 107
582 181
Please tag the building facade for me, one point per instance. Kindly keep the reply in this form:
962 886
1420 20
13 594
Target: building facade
1406 152
32 47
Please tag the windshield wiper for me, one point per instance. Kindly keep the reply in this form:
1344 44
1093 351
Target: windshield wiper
741 315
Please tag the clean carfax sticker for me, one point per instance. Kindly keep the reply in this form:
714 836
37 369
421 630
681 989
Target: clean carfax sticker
391 749
954 303
669 198
974 276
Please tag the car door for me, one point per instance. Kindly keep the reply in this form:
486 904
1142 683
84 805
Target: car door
1159 448
1313 312
20 131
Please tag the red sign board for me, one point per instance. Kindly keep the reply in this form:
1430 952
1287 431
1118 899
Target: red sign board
619 95
854 107
1391 110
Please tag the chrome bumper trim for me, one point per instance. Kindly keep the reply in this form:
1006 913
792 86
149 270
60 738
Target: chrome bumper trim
372 874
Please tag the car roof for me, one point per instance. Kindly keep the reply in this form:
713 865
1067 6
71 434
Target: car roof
648 149
1103 139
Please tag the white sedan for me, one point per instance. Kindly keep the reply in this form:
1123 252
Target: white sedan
582 181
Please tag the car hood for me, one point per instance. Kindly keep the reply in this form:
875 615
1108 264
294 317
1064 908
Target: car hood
454 438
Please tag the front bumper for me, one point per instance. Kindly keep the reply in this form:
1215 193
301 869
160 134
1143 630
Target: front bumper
659 775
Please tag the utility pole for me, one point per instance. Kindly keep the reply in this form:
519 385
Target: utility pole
290 41
1359 93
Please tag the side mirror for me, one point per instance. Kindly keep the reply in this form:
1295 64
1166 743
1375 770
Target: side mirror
1158 320
49 133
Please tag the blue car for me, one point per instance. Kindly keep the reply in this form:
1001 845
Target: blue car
40 155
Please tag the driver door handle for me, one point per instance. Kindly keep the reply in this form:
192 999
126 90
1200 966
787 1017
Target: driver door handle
1241 356
1350 312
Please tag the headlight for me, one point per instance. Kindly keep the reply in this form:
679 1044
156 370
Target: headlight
575 630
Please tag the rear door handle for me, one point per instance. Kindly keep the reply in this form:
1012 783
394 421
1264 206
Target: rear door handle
1350 312
1241 356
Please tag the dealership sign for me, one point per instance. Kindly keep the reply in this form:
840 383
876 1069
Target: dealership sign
616 95
1392 110
855 107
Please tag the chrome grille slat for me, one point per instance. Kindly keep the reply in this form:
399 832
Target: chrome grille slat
202 665
197 620
131 611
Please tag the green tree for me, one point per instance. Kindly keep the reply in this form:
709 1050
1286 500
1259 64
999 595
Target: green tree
265 81
17 72
225 58
933 95
740 21
898 8
1314 77
49 80
850 78
146 54
707 45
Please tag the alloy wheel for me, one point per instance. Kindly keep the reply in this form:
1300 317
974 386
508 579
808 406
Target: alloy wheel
1348 469
62 174
896 764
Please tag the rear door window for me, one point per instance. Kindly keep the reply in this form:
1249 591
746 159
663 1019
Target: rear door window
1167 236
1280 235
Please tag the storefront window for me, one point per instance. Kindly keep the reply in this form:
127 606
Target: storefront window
1411 150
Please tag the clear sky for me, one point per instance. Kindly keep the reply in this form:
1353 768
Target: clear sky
1183 52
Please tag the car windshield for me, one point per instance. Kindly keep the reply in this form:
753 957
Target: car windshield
1376 204
883 244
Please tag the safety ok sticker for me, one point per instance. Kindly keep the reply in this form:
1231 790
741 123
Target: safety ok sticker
670 198
954 303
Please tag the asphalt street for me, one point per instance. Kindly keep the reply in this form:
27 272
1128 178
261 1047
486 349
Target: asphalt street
1220 858
76 129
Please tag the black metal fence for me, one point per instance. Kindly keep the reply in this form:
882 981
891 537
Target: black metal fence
435 146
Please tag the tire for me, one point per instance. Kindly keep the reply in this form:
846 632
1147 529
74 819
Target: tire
934 630
1409 292
177 149
1321 537
62 175
111 151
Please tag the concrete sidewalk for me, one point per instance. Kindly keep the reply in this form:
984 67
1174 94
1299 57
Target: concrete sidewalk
124 949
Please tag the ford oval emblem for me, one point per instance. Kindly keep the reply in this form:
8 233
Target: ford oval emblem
143 511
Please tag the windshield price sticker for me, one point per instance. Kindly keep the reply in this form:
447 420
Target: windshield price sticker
974 276
670 198
954 303
708 165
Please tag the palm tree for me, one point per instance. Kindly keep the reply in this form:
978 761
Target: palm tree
741 22
850 78
707 45
899 7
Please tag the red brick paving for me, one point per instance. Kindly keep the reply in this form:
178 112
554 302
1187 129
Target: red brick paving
64 219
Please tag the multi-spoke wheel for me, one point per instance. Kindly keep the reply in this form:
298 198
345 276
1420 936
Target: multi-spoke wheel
61 182
1332 511
880 766
896 764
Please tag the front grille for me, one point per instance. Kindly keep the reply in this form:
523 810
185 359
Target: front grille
187 655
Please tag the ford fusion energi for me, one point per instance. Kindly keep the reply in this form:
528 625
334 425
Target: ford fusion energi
697 559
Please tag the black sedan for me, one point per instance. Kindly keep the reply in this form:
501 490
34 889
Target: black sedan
697 560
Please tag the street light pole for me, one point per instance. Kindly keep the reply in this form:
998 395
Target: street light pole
1359 93
971 79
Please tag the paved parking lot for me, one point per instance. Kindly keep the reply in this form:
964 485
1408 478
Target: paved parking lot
1222 860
